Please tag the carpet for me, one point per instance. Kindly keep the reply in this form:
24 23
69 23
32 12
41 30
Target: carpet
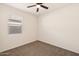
38 48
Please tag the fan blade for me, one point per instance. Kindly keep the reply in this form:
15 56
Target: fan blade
37 9
44 6
31 6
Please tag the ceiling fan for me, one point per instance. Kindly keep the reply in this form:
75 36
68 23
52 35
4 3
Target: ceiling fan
38 5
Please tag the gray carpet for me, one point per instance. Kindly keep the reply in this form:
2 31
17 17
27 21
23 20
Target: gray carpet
38 48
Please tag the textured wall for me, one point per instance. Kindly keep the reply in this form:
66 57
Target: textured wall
61 27
29 28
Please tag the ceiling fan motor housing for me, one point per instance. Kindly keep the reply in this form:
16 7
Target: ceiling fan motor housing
39 3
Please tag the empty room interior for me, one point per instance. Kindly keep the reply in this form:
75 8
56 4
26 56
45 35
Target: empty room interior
39 29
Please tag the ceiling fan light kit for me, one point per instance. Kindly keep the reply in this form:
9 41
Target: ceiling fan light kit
38 6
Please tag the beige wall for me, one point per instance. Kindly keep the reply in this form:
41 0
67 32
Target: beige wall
61 28
29 28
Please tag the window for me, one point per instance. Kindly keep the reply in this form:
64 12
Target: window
14 26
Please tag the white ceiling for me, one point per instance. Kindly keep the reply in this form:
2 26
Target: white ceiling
52 7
